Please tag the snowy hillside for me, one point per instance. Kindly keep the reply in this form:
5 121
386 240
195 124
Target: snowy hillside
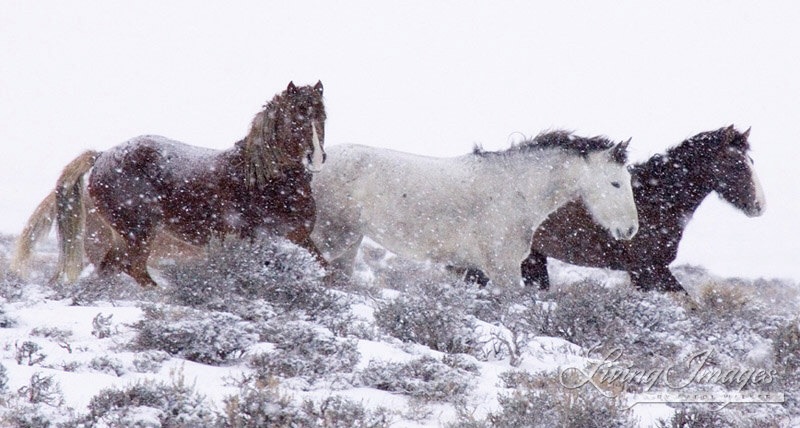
254 337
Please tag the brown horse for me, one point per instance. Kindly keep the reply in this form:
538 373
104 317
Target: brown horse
668 189
151 188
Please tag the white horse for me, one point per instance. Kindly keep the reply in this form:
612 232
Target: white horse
478 210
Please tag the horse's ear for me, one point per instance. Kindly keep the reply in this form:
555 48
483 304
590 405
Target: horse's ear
318 87
291 88
729 135
619 153
746 134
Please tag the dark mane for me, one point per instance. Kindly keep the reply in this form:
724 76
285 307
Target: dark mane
704 143
699 148
563 140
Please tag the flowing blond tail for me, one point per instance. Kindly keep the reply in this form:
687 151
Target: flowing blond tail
71 216
38 227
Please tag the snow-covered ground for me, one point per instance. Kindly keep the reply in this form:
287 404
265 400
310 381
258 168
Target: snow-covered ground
410 346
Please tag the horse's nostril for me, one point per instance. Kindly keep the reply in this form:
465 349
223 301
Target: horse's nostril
630 230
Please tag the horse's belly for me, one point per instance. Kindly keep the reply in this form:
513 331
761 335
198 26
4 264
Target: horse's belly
444 241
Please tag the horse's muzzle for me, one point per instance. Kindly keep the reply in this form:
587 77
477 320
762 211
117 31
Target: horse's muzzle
625 234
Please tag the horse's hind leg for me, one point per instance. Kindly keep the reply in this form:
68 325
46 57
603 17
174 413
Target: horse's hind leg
469 275
534 271
138 253
130 259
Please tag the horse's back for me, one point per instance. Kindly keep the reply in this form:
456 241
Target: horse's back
416 206
148 178
153 155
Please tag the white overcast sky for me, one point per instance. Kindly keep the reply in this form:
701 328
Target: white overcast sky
429 77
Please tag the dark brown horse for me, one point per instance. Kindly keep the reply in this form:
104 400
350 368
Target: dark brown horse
668 189
150 186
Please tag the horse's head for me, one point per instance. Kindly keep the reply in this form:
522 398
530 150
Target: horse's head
735 180
605 187
288 134
300 125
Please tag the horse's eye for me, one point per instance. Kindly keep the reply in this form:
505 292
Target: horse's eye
616 184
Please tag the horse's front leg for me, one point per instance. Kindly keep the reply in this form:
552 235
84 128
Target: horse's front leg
655 278
504 274
504 255
302 238
534 271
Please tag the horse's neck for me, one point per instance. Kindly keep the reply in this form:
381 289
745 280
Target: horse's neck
545 180
673 188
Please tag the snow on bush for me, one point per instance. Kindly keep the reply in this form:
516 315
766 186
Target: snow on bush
3 383
303 351
149 361
432 314
259 403
5 320
148 403
108 365
425 378
559 408
197 335
340 412
257 280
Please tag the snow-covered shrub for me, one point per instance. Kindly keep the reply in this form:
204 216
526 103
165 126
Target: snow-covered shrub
149 403
722 299
92 288
302 351
39 404
251 278
461 362
697 416
425 378
23 415
149 361
432 314
203 336
108 365
53 333
711 416
590 314
786 346
101 326
558 407
42 389
29 353
3 382
340 412
6 321
260 404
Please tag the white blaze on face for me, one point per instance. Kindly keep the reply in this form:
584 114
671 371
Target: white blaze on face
761 200
317 156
